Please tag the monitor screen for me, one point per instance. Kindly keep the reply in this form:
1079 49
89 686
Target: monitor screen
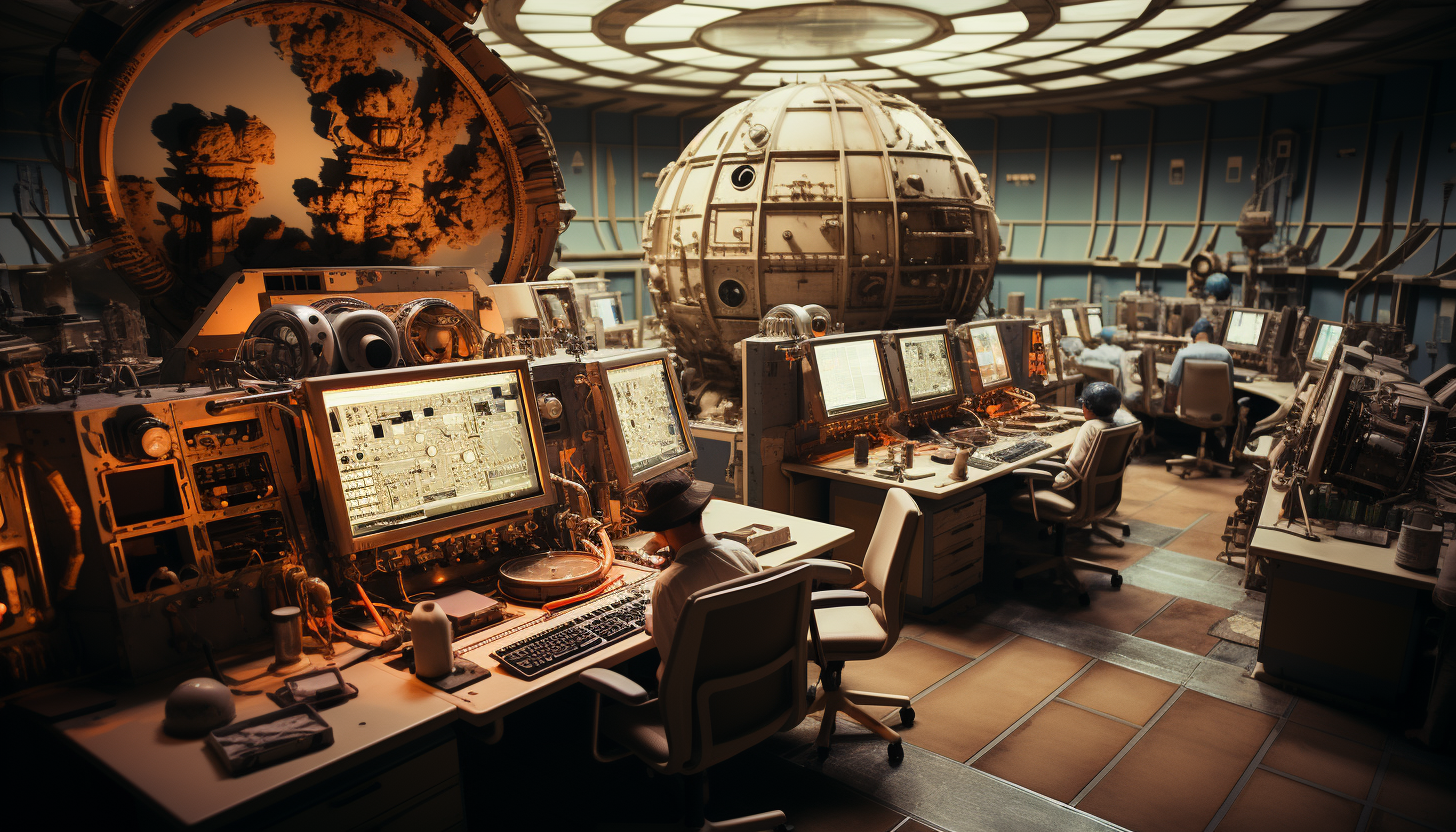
426 448
608 309
1245 327
1069 322
850 375
929 372
1326 338
1094 320
553 307
1049 348
648 416
990 355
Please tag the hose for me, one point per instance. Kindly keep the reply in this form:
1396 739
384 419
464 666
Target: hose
77 556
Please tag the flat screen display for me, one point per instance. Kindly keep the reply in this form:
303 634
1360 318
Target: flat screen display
609 310
929 373
1094 320
850 376
1326 338
1069 321
647 415
990 355
1244 328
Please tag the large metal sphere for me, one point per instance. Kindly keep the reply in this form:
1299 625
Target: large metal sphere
828 192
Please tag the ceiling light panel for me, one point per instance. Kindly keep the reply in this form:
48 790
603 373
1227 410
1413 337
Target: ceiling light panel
686 54
1191 3
1290 22
658 34
1289 5
628 66
527 63
979 24
1151 37
973 76
989 92
664 89
1068 83
721 61
1036 49
1193 18
562 73
930 67
1104 10
592 54
557 39
685 16
1241 43
809 66
553 23
1192 57
949 8
1045 67
1138 70
604 81
970 43
908 56
736 4
587 7
1086 31
1099 54
980 59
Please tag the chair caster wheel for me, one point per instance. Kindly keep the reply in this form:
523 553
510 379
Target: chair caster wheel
897 753
1117 582
823 752
907 715
1084 599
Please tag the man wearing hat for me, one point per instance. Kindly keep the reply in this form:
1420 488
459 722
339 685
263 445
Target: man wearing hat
674 511
1202 349
1102 408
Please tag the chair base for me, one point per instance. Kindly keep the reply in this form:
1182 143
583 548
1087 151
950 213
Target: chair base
834 701
1062 564
697 797
761 821
1202 462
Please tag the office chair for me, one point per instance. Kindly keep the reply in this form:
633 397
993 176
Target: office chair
856 625
1150 398
1206 401
1089 502
736 675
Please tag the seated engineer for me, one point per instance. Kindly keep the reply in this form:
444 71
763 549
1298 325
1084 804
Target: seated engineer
1107 356
674 511
1102 406
1200 350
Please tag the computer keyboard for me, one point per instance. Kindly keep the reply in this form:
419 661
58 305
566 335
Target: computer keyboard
1020 450
578 636
982 464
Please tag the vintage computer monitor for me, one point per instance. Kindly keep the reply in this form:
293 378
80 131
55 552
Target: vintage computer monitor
924 364
557 303
1050 351
1070 321
1322 347
421 450
606 306
1244 329
844 377
647 423
1094 320
982 348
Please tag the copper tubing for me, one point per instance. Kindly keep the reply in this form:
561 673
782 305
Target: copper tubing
369 605
15 460
77 556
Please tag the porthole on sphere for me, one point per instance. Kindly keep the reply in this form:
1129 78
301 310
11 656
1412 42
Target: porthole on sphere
742 176
731 293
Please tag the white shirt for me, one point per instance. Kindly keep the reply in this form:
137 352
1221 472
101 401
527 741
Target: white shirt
1082 445
705 562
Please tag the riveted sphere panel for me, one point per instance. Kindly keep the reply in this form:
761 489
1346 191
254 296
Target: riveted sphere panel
829 193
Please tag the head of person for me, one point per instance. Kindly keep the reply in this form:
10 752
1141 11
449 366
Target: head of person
673 505
1100 400
1107 334
1202 330
1072 345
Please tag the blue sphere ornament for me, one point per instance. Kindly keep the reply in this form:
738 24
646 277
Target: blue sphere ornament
1218 286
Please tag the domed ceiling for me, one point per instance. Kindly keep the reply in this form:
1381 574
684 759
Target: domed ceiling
963 55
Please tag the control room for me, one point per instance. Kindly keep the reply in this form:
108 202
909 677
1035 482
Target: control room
821 415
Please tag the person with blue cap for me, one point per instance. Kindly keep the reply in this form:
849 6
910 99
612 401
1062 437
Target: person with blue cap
1202 349
1108 356
1102 407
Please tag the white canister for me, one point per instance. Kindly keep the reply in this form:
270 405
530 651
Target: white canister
430 633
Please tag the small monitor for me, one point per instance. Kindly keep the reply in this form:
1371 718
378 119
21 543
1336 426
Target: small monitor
421 450
845 377
1094 321
1070 325
647 421
1245 329
984 343
557 305
1326 340
1050 351
927 364
606 306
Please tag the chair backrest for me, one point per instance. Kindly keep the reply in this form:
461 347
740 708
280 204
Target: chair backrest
736 674
1150 400
887 558
1206 394
1100 489
1094 373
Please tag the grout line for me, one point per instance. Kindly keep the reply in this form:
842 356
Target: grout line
1091 784
902 822
1160 611
1099 713
1296 778
1375 785
953 650
1032 712
1228 802
962 669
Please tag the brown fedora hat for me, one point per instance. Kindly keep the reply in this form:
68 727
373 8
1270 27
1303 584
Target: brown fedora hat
672 498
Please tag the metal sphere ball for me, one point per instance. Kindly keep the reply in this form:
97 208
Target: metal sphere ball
1219 287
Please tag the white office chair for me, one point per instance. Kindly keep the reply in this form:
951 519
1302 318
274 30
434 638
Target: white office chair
1206 401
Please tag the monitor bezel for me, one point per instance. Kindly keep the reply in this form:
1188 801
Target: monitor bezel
617 440
1322 364
615 297
1228 321
1085 315
1052 348
321 441
564 293
903 390
814 389
1081 319
969 355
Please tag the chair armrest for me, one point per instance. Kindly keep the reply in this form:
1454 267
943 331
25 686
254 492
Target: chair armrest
836 572
1034 474
615 685
1051 465
825 599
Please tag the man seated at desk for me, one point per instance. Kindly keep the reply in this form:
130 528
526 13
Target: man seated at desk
1200 350
1102 407
1107 356
674 511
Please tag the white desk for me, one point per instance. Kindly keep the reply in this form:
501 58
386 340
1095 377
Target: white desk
1263 386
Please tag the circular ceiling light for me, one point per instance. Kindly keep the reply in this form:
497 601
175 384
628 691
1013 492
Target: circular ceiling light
818 31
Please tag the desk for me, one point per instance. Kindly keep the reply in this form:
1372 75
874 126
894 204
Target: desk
950 543
1263 386
1339 616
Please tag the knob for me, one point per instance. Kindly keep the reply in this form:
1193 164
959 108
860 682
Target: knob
550 406
148 437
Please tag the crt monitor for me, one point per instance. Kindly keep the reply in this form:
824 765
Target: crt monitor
1244 329
1094 321
646 421
421 450
983 342
1071 325
1326 340
927 367
606 306
1051 353
844 377
557 305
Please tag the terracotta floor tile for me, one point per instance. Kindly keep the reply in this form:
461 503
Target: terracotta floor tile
1339 723
1123 610
971 639
1058 751
1120 692
1179 773
1421 791
1127 508
1333 762
1198 544
1184 625
1383 821
1214 523
1118 557
1176 516
1270 803
1143 491
958 718
906 670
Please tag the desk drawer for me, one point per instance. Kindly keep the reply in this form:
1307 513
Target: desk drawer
953 517
957 582
954 560
382 795
954 537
